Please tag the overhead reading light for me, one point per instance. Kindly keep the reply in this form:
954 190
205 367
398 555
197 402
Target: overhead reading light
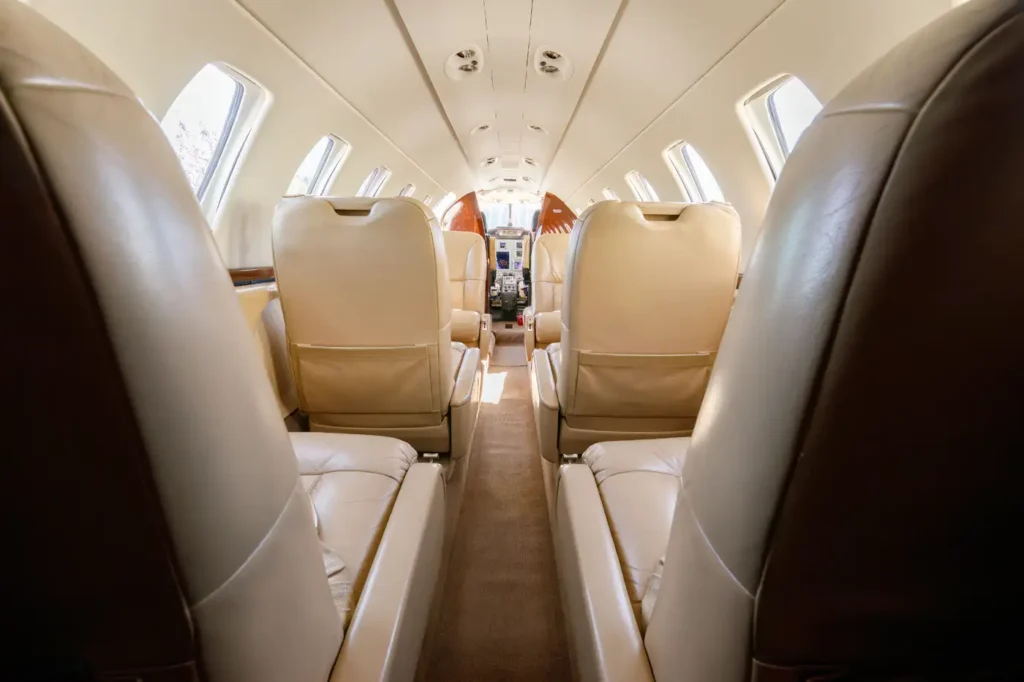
489 160
552 64
529 161
465 63
536 128
527 178
482 128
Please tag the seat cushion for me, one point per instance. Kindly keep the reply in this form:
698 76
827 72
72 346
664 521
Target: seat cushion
458 351
465 326
548 327
639 482
352 481
555 353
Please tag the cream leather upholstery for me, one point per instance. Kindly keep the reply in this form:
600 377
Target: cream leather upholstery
543 319
262 309
162 530
366 297
647 296
467 275
381 517
826 526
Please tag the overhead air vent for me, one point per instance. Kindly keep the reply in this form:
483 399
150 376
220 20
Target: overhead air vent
529 161
465 63
489 161
527 178
509 179
482 128
536 128
552 64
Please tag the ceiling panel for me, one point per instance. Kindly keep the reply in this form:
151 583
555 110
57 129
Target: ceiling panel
658 50
507 93
358 47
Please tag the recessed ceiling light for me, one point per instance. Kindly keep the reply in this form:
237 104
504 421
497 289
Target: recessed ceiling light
552 64
465 63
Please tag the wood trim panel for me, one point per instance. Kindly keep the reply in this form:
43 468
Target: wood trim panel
242 276
467 216
555 216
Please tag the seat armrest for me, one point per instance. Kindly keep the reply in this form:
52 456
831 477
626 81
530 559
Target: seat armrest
603 633
466 326
471 364
545 404
547 328
485 335
465 404
386 635
529 339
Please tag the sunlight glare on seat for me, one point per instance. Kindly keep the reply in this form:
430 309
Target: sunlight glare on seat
494 384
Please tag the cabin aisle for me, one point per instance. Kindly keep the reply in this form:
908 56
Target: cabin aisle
501 618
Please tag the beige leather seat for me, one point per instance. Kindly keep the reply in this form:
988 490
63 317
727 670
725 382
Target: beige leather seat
158 527
261 306
364 287
467 276
843 509
543 319
648 291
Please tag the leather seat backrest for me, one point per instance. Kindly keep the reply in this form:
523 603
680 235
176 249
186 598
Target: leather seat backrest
647 294
467 270
262 309
853 482
156 528
547 271
364 288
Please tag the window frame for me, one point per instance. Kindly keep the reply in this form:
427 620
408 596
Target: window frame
762 116
374 182
679 159
249 105
327 169
641 187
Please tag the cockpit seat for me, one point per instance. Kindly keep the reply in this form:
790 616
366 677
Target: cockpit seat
543 319
467 276
157 526
841 510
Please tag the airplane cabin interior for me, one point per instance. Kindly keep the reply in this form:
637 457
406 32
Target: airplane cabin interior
485 340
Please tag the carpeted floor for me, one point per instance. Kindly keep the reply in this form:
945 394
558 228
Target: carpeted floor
501 618
509 350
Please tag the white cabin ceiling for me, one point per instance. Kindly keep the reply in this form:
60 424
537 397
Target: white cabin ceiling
387 58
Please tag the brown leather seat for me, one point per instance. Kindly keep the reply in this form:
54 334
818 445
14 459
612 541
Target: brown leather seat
158 528
466 253
543 319
844 507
